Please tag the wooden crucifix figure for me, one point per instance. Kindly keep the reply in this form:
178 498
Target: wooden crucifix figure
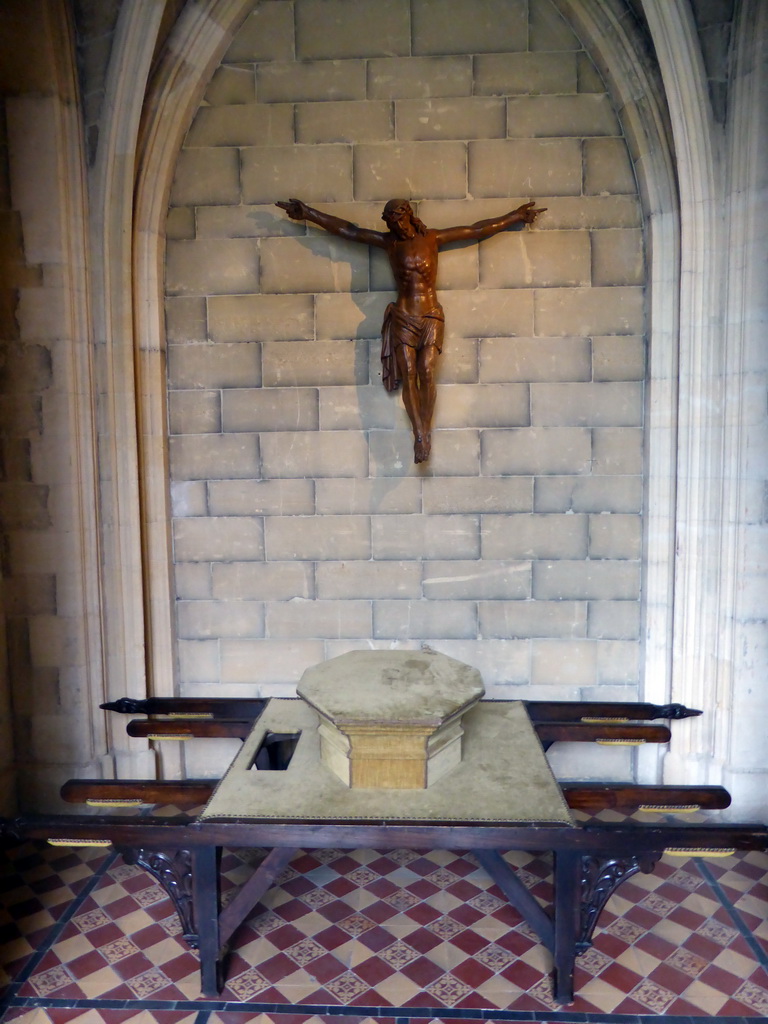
412 333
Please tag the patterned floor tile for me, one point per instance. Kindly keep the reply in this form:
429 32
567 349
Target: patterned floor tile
406 929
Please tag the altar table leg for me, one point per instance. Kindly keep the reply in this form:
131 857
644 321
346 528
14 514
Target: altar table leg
205 894
567 916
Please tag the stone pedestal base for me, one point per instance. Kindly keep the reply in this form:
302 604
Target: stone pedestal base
390 719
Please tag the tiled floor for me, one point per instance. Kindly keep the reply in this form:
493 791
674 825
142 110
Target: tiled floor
366 936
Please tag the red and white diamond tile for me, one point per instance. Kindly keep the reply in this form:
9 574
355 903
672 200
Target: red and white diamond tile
403 929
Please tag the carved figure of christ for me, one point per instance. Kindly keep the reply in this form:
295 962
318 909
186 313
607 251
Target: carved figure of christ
412 333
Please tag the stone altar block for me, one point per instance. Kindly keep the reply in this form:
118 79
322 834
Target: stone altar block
391 719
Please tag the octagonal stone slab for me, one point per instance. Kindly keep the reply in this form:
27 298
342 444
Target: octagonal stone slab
391 719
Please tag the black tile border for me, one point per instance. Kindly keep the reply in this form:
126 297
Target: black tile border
10 998
735 916
401 1014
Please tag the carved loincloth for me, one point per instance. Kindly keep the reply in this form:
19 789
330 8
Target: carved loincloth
417 332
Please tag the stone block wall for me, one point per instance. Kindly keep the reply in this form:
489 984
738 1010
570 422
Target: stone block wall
301 528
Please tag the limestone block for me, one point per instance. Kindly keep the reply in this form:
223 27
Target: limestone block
502 663
442 117
35 594
194 412
567 311
209 758
488 313
588 494
260 317
317 618
346 121
214 539
314 454
202 620
619 691
214 456
358 315
457 268
269 409
41 313
359 408
336 29
615 536
588 75
617 257
245 222
26 367
206 177
614 620
534 359
325 538
473 494
314 363
533 167
15 456
454 453
508 74
410 170
604 580
33 552
188 498
24 505
180 222
533 618
548 30
458 362
368 580
469 26
590 762
536 451
261 497
214 366
295 82
545 259
586 114
524 535
618 662
618 358
419 536
365 497
404 620
266 34
250 124
601 211
185 319
265 663
482 405
316 263
487 580
617 450
392 78
565 662
261 581
212 267
607 168
193 580
319 174
231 84
615 404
